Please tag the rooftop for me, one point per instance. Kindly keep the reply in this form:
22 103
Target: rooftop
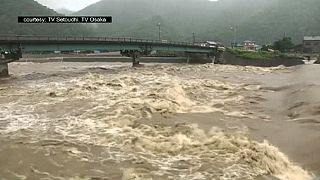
248 41
212 42
311 38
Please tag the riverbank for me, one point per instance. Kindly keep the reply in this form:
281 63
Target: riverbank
259 59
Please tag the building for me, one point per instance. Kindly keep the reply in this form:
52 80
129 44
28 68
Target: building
200 44
249 45
311 44
211 44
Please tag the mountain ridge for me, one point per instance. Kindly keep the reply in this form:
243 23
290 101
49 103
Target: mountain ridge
225 20
258 20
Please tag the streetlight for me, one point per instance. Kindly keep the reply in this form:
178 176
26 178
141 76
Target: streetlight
194 37
159 24
234 35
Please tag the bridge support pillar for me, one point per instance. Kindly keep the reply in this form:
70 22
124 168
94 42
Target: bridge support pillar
188 59
213 59
197 58
4 70
218 58
133 54
135 59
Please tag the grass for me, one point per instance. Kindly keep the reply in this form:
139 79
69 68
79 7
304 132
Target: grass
260 55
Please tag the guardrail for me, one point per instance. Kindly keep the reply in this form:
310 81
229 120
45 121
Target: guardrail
77 38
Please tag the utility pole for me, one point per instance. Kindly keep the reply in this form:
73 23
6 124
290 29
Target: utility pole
234 36
194 37
159 24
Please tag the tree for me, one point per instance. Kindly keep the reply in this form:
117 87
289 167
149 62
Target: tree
266 47
283 45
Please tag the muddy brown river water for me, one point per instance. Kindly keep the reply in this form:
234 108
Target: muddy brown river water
161 121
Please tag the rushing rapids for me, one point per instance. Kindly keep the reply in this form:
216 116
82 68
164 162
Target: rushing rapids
93 121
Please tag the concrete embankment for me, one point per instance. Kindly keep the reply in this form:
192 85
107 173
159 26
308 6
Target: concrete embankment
231 59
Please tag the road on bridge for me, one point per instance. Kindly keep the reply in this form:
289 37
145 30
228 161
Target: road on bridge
13 46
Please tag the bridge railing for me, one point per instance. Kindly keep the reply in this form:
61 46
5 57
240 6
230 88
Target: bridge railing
78 38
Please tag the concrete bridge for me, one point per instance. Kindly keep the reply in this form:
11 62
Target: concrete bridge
13 46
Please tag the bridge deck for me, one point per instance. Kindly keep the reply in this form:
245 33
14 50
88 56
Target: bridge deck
14 45
68 39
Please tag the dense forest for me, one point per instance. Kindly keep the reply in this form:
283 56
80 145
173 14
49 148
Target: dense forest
263 21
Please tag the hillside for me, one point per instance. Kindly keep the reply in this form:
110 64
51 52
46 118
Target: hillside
259 20
139 18
64 11
284 17
10 9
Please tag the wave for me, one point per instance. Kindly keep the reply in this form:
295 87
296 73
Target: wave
106 109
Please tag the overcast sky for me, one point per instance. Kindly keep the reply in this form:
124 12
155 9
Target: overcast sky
73 5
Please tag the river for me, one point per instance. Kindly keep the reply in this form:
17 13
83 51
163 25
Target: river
162 121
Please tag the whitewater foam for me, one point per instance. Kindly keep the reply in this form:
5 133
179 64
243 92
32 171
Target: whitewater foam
107 108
